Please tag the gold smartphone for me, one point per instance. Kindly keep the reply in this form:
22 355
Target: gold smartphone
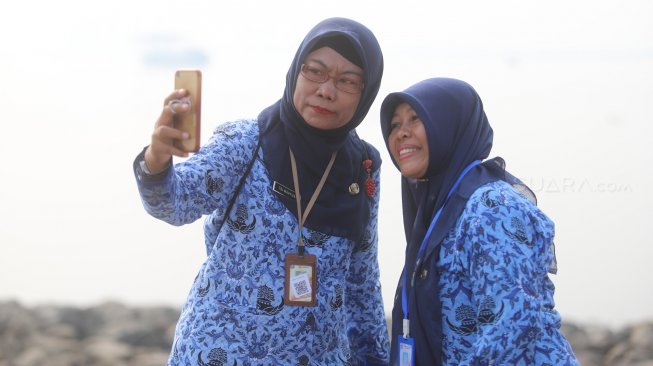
190 80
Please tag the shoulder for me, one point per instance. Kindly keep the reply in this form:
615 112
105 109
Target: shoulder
232 144
499 197
238 135
498 219
247 128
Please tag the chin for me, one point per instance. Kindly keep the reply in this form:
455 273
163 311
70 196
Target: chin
323 125
411 173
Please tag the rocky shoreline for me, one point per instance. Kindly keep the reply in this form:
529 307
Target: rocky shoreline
114 334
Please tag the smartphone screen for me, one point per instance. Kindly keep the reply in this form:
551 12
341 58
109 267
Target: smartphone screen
190 80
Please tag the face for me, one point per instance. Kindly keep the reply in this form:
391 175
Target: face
408 143
322 105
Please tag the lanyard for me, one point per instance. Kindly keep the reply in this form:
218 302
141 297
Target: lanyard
404 297
302 218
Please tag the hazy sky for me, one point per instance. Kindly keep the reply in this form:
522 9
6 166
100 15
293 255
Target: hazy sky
567 87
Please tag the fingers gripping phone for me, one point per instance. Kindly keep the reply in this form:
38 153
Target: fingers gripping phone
190 80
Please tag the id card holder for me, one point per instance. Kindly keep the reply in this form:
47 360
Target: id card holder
301 280
406 351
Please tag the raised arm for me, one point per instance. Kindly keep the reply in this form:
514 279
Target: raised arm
183 192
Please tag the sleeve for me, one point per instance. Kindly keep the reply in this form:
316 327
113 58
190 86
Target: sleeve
508 244
367 328
204 182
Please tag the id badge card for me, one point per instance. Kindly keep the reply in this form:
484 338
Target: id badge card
406 351
301 280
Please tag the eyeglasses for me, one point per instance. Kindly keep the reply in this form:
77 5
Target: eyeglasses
347 82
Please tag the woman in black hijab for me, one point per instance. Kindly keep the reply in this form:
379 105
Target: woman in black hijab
475 288
291 275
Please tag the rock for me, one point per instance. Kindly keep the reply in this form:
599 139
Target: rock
114 334
110 334
635 349
102 350
150 358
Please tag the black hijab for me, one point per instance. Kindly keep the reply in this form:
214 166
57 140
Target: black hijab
336 211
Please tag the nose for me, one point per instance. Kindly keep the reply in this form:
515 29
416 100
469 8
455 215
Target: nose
403 131
327 89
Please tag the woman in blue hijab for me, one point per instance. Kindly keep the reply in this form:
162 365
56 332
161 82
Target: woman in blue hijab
475 288
291 203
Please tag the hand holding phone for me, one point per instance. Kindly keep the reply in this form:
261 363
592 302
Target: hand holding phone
189 121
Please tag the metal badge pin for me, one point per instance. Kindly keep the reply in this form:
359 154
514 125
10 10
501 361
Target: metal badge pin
354 189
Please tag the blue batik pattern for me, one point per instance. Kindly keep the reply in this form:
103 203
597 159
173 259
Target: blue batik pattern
234 313
497 297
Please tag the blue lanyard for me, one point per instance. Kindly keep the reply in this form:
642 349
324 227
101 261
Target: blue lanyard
404 297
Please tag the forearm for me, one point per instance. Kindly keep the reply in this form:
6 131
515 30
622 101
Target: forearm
204 182
161 193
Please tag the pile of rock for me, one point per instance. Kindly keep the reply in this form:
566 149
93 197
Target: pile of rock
600 346
113 334
110 334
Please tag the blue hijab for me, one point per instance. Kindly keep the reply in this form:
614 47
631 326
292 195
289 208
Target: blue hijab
458 133
336 211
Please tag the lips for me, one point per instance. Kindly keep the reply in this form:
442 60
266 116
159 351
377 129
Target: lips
406 151
322 111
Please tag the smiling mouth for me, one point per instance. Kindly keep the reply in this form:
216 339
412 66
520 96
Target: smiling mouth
322 111
406 151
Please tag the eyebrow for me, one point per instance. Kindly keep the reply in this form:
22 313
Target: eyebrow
327 67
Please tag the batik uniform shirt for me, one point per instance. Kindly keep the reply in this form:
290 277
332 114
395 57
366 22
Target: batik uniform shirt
496 294
234 313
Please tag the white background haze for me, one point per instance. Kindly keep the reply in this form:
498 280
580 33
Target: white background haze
567 87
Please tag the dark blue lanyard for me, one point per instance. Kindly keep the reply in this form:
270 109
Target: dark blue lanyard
404 297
